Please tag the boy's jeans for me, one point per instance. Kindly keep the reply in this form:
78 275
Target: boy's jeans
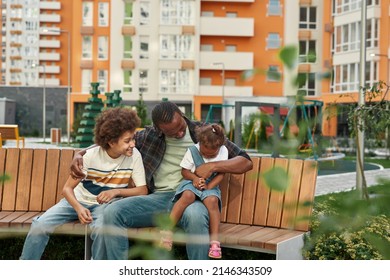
59 214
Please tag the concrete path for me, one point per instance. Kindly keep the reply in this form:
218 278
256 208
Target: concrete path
325 183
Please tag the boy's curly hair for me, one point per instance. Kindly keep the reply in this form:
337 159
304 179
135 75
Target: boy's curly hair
112 123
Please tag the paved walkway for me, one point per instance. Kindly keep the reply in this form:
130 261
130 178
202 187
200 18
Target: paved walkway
325 183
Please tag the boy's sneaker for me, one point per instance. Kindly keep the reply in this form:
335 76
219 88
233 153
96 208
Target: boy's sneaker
166 239
215 250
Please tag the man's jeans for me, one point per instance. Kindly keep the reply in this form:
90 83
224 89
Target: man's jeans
59 214
141 211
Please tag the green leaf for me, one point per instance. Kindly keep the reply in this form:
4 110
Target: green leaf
276 179
289 56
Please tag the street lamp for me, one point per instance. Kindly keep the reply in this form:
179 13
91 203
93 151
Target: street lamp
68 93
223 88
223 79
44 101
387 103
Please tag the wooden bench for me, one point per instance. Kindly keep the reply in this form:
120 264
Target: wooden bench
253 216
11 132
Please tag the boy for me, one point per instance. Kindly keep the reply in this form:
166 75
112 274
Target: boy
108 168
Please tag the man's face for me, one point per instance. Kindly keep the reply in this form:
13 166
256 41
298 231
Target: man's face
176 128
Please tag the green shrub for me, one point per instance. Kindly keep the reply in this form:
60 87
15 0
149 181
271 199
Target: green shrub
346 228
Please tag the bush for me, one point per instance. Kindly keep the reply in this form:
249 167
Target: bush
347 228
349 244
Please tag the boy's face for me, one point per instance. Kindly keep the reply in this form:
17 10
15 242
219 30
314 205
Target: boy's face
124 146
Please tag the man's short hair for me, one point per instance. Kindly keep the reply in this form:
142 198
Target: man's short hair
164 112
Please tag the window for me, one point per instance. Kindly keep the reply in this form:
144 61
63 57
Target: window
372 33
273 41
274 8
176 46
307 51
231 14
103 18
177 12
127 84
144 13
307 84
87 47
87 13
86 78
102 79
231 48
128 47
128 18
308 17
143 81
205 81
144 47
346 76
174 81
102 48
273 73
347 37
206 48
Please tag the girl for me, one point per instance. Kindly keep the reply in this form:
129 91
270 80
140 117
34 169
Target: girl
210 147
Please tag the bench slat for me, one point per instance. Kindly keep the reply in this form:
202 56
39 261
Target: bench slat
234 198
273 243
64 171
276 198
249 193
24 180
37 181
306 195
6 221
51 178
246 240
292 194
3 153
25 218
232 238
9 189
263 194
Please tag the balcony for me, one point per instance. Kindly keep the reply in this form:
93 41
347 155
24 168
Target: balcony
49 43
49 18
222 26
235 61
229 91
46 5
49 56
49 82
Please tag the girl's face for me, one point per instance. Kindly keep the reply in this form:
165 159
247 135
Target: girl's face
207 152
124 145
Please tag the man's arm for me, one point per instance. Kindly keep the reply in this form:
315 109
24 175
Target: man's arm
237 165
76 168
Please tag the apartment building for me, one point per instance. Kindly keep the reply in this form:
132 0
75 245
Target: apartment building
195 53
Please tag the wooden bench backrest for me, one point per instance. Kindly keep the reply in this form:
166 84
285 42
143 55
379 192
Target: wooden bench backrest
37 177
9 131
247 200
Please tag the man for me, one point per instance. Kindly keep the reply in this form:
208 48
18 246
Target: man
163 147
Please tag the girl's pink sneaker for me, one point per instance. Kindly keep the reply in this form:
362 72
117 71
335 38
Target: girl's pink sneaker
215 250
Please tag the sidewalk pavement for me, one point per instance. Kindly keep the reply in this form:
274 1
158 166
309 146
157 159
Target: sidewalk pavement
325 184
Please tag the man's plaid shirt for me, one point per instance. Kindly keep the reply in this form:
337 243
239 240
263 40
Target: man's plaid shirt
151 143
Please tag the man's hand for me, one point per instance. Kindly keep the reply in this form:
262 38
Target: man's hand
76 169
205 170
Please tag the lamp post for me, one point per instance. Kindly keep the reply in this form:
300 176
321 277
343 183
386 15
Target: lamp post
361 101
43 102
68 93
223 87
387 103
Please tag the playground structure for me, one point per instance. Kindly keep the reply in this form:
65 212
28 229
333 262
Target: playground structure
305 114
